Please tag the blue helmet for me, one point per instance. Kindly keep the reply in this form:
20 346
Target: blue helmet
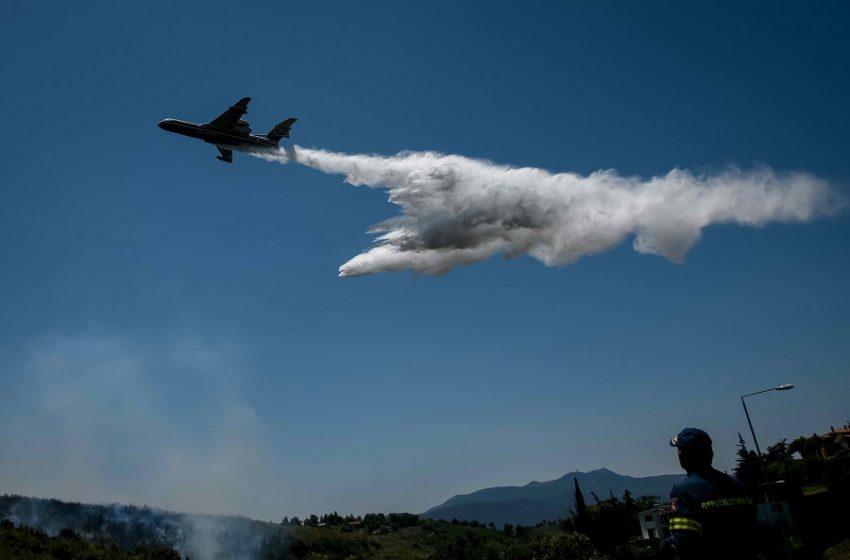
691 439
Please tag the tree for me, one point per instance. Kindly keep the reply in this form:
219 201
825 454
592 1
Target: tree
747 468
400 520
628 501
777 452
521 531
582 518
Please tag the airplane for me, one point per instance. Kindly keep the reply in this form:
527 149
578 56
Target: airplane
229 132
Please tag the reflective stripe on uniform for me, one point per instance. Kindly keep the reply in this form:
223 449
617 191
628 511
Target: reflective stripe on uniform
685 524
726 502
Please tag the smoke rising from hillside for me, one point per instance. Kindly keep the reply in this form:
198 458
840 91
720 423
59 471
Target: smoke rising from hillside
90 417
202 537
457 210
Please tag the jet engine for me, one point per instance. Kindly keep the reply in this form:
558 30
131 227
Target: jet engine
243 126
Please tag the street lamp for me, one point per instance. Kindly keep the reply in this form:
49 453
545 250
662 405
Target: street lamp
784 387
771 501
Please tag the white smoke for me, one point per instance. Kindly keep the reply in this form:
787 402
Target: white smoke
457 210
88 418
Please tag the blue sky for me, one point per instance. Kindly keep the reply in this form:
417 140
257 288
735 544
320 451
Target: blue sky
174 331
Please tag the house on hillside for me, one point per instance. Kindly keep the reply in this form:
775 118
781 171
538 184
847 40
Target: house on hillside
835 441
655 522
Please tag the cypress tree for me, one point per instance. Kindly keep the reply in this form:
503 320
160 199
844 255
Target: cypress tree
747 465
582 519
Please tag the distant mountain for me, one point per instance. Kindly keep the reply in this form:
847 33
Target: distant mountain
541 501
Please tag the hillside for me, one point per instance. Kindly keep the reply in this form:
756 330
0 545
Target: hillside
37 529
539 501
24 543
141 528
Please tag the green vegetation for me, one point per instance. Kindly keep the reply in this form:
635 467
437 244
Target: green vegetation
24 543
807 463
332 537
813 475
432 540
609 530
565 545
840 551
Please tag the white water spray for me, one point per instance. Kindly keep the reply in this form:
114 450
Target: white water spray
457 210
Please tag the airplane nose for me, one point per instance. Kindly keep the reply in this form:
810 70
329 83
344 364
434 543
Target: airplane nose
161 125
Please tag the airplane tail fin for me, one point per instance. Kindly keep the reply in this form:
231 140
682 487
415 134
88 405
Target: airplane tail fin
281 130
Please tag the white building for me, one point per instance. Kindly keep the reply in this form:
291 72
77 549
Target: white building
655 522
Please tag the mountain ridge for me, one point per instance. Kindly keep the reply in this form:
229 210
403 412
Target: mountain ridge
535 501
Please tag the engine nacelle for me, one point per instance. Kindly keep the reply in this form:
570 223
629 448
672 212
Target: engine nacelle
243 126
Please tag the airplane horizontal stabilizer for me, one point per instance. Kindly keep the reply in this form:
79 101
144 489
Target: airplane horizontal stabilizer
281 130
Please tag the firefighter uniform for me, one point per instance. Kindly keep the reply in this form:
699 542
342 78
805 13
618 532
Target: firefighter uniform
713 515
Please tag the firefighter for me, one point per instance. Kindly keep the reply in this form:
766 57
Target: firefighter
713 515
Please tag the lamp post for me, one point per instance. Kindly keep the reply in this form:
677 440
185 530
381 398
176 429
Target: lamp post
771 500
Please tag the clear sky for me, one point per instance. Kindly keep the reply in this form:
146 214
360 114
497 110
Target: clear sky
173 330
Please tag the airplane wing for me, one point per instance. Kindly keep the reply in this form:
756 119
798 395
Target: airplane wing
229 118
226 155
